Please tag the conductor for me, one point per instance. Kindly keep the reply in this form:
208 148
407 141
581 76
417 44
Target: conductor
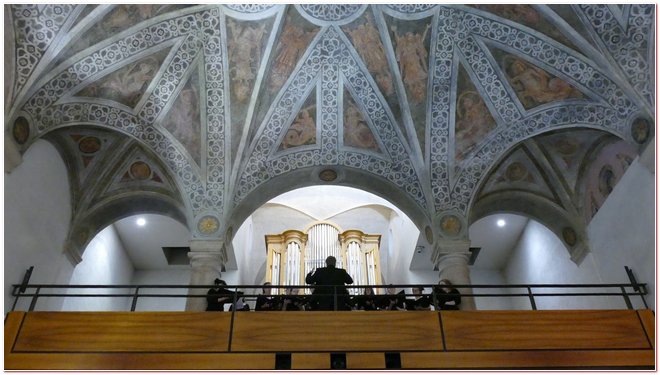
329 280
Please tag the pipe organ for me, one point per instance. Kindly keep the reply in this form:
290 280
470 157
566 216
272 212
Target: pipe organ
292 254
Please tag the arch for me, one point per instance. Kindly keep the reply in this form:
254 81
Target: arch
552 216
348 177
85 228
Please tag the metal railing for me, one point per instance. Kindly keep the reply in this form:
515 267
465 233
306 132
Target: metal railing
532 292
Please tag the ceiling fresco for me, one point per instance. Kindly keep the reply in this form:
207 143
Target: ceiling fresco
204 112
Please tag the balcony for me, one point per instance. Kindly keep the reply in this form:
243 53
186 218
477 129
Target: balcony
468 340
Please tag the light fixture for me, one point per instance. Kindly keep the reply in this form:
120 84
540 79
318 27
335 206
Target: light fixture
140 222
501 223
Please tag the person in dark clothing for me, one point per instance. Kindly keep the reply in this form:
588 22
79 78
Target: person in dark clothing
366 301
265 302
448 297
419 300
291 301
329 280
392 300
217 296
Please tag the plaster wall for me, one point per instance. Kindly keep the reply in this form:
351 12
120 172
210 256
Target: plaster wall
622 233
541 258
37 215
161 277
104 262
486 276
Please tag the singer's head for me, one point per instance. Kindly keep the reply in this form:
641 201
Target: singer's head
331 261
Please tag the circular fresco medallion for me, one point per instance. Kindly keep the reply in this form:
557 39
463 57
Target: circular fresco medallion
89 145
570 237
606 180
208 225
140 170
429 234
640 130
328 175
21 130
451 225
516 171
566 146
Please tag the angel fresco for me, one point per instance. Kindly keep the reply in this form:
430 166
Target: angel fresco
368 44
535 86
302 130
126 85
244 55
293 42
412 57
356 130
473 122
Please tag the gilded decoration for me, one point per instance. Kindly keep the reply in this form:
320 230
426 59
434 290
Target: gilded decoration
208 225
140 171
451 225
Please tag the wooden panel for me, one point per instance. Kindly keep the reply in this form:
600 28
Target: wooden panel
543 359
365 360
12 326
140 361
558 329
294 331
124 331
648 322
307 361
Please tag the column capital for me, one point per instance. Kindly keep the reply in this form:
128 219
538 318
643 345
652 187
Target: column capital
445 248
206 250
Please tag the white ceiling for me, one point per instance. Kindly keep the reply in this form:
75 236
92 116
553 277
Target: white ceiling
496 242
144 244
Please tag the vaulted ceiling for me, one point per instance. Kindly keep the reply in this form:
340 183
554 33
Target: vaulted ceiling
205 112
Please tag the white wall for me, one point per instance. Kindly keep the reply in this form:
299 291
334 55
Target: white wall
486 276
622 233
104 261
161 277
37 216
541 258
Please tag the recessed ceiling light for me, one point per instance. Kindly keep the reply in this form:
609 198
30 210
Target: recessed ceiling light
141 222
501 223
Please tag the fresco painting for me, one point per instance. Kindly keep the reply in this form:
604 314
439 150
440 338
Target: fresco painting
302 131
356 130
473 119
127 85
183 119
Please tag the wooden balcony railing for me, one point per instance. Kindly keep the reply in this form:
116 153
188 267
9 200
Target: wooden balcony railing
560 339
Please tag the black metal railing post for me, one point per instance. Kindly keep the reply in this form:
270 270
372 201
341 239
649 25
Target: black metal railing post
626 298
334 294
34 299
531 298
135 298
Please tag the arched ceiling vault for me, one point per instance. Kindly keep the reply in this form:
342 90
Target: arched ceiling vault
200 107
